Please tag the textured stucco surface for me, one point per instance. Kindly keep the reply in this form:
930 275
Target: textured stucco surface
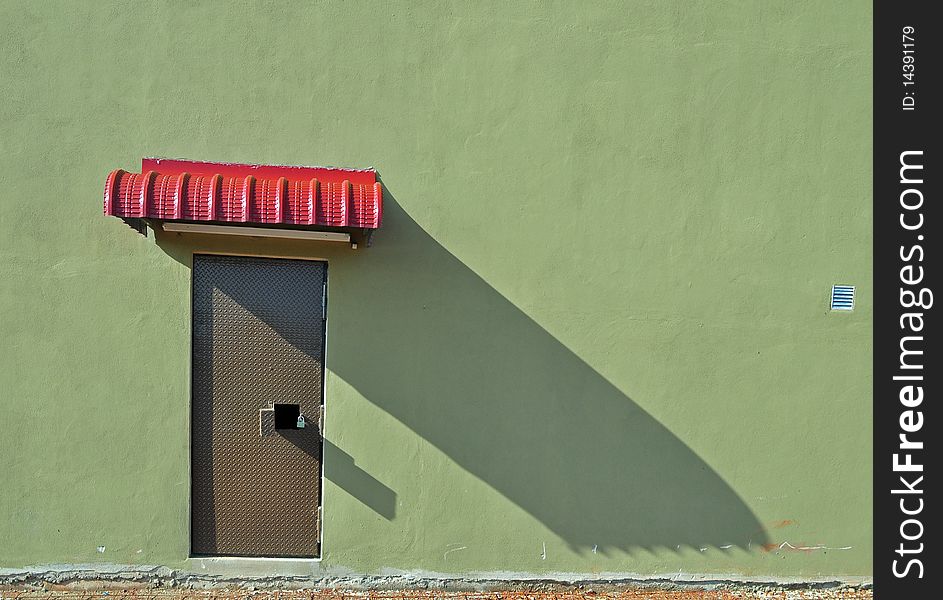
592 337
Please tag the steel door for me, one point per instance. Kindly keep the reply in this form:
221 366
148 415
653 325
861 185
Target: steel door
258 349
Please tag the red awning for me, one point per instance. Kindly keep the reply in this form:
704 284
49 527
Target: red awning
183 190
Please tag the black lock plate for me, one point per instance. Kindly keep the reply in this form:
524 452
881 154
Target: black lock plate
286 416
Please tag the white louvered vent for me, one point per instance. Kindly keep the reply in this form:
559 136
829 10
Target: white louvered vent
843 297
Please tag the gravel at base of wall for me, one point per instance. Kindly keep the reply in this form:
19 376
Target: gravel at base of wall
89 590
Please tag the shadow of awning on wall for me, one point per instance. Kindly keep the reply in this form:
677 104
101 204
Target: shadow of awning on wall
440 350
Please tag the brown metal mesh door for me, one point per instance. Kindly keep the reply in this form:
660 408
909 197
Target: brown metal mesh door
258 341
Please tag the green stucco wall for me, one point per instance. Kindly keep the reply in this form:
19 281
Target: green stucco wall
592 336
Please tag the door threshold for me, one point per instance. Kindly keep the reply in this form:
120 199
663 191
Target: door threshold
252 566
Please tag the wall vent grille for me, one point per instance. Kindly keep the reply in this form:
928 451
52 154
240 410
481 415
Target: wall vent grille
843 297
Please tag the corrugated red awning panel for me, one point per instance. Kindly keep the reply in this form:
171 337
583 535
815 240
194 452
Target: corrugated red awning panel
182 190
